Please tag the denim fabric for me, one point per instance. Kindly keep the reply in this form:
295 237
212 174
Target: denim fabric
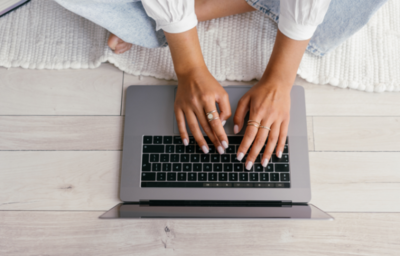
127 19
343 19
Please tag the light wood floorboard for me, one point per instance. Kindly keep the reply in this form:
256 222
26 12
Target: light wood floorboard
81 233
356 133
64 92
89 180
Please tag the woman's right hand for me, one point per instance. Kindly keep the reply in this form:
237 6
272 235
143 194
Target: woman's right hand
197 94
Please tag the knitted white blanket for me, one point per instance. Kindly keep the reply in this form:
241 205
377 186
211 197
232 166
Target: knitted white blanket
43 34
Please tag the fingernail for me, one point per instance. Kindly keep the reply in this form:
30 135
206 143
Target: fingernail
185 142
225 144
265 162
236 129
249 165
223 123
240 156
205 149
220 150
280 154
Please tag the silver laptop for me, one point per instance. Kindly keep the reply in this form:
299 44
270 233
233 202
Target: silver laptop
162 178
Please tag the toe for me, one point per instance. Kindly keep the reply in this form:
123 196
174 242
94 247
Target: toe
113 41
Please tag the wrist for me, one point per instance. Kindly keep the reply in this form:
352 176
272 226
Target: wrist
190 70
276 82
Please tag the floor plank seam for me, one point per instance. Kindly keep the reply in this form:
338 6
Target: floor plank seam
122 93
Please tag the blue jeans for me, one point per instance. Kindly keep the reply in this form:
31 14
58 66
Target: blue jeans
128 20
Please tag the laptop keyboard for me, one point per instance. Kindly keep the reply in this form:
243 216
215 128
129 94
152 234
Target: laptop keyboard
166 162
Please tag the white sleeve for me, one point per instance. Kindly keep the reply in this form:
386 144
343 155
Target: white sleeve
298 19
172 16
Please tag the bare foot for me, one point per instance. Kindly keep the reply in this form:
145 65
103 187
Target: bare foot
118 45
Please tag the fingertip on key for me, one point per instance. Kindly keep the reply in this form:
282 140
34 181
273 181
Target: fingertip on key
280 154
220 150
236 129
185 142
225 144
205 149
223 123
240 156
249 165
265 162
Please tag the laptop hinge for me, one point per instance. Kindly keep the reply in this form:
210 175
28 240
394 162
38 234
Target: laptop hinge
243 203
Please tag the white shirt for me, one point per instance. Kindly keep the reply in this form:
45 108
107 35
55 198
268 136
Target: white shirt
298 19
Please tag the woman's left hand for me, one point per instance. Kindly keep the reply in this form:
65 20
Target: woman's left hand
269 105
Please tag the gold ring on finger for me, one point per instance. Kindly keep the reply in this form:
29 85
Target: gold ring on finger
252 121
265 127
255 125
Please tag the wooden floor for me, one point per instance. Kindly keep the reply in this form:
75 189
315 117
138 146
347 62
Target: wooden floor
60 153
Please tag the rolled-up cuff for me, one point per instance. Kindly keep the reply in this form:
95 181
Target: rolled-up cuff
184 25
294 30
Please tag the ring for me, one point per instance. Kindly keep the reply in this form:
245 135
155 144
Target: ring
265 127
212 119
252 121
255 125
210 115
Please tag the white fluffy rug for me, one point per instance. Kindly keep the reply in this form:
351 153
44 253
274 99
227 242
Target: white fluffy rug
43 34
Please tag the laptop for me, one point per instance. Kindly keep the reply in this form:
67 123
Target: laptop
162 178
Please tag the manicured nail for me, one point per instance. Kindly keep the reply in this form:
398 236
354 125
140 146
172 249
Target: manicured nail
249 165
205 149
225 144
220 150
280 154
223 123
240 156
265 162
236 129
185 142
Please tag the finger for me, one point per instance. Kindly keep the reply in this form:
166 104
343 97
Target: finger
195 129
225 108
282 138
248 138
241 111
217 127
180 119
207 129
272 139
258 144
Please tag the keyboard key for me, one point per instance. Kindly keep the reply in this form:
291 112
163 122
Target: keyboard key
147 139
146 167
154 157
222 176
233 176
285 177
174 158
211 149
197 167
166 167
231 149
161 176
164 158
202 176
243 176
167 139
284 159
156 167
184 158
192 176
253 176
153 148
181 176
187 167
199 150
205 158
169 148
215 158
258 159
177 140
282 167
145 158
274 176
269 168
180 149
190 149
148 176
207 140
192 141
235 139
157 139
207 167
238 167
264 177
195 158
286 149
177 167
171 176
237 148
228 167
234 159
212 176
225 158
258 168
217 168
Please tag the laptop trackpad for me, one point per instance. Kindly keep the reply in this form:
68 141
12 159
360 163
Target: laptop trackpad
235 93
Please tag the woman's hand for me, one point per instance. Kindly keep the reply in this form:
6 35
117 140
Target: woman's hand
197 94
269 105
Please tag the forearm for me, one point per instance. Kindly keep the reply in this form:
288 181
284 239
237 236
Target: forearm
185 51
285 60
